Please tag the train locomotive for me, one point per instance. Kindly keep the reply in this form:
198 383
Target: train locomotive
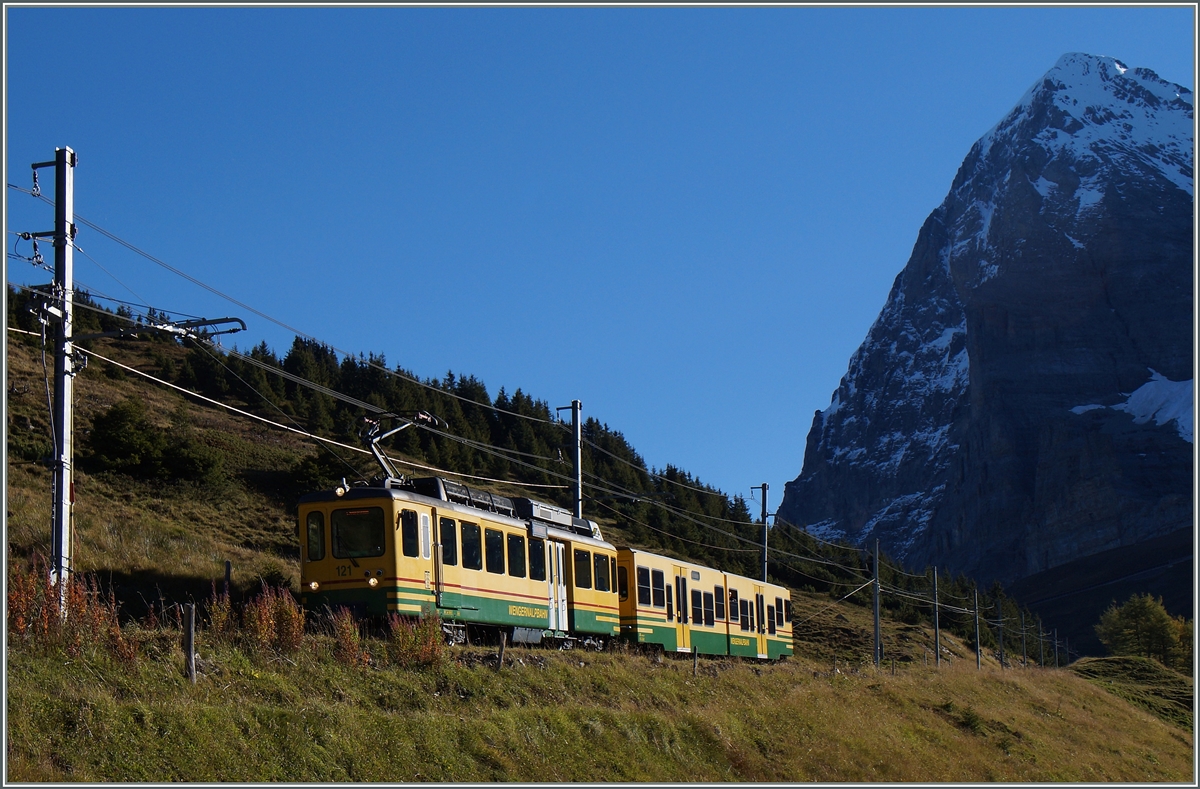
488 564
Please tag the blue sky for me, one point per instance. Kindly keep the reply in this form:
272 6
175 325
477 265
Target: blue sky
686 218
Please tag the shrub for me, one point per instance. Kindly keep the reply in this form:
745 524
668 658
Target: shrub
220 614
289 623
258 624
347 639
124 440
273 622
90 620
415 642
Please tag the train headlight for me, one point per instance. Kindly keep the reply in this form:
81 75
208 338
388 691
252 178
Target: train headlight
314 586
373 582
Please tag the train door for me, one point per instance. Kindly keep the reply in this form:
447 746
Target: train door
556 582
683 639
446 564
760 620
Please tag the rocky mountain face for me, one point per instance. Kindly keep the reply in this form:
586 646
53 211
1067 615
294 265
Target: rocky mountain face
1025 397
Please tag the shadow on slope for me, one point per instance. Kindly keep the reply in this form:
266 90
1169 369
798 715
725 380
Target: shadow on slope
1072 597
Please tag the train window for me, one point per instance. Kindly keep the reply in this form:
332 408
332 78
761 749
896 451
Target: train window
771 619
643 584
583 569
426 540
612 565
408 533
493 548
357 533
449 543
670 612
472 547
316 536
708 609
719 598
745 609
733 605
603 581
697 607
537 559
759 615
778 612
622 584
657 578
516 556
681 597
787 610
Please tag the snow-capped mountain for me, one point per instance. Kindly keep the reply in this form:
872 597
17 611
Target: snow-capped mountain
1025 396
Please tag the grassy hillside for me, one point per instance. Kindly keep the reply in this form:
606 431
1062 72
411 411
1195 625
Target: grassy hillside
569 716
80 711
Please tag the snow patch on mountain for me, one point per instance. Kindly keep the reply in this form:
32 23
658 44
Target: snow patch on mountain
905 518
1102 111
1160 400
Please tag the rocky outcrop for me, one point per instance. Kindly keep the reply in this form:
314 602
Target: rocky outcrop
1024 398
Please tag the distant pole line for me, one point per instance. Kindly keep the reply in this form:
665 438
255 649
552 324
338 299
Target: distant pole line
978 657
878 635
937 632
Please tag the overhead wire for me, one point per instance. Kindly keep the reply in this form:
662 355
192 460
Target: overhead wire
79 249
805 531
649 473
882 563
281 324
268 401
669 534
302 433
796 624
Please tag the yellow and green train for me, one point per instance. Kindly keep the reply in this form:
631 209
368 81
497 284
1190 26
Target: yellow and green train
528 569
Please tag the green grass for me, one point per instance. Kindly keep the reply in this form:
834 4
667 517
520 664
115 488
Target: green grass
1164 693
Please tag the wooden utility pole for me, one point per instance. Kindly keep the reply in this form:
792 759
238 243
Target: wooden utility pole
1000 626
878 634
1024 657
937 632
978 657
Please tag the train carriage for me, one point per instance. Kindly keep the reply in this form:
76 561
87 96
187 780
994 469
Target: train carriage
675 604
760 618
432 545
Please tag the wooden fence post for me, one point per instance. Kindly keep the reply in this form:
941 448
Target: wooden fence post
189 641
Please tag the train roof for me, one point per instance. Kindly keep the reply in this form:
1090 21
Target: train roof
449 495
